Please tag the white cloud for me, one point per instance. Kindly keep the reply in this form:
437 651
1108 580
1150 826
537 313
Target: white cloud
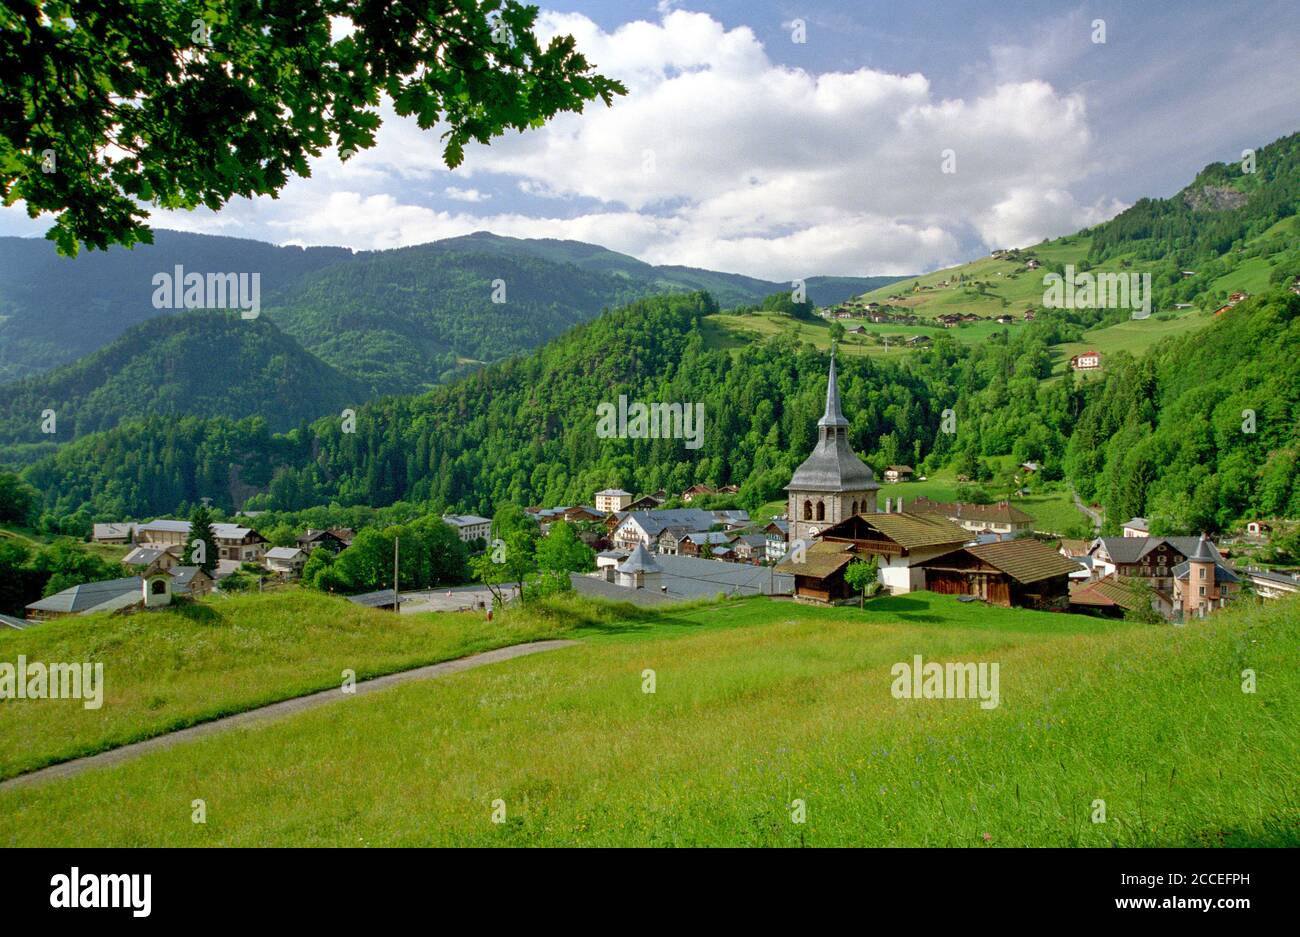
720 157
465 195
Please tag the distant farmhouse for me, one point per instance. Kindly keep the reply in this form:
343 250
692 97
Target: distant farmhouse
1001 518
1086 361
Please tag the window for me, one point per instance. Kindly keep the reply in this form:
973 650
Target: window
853 509
1202 590
807 510
158 587
1202 572
821 510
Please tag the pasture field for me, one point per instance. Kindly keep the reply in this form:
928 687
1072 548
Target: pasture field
763 712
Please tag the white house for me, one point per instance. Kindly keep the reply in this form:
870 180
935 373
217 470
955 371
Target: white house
612 499
470 527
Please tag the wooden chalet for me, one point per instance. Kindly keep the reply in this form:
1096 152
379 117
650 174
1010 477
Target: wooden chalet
1021 573
902 542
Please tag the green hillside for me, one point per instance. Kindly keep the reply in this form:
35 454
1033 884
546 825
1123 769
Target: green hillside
1231 231
194 363
770 724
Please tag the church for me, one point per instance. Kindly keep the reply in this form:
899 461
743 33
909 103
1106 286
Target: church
832 509
832 484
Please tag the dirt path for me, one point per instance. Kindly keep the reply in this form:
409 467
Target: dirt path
274 711
1094 516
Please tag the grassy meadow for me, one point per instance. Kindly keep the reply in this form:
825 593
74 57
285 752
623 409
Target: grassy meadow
197 661
758 703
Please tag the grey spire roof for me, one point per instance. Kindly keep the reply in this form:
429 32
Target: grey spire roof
1204 553
833 416
640 562
833 465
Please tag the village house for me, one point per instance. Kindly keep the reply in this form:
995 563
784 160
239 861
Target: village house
1202 583
1012 573
1259 530
1000 518
704 543
1086 361
113 533
612 499
469 527
193 581
777 532
320 538
645 503
286 562
645 527
1269 584
902 542
1136 527
153 559
898 473
750 548
241 544
695 491
916 340
1156 560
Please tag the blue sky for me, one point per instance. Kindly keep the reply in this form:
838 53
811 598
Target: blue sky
744 150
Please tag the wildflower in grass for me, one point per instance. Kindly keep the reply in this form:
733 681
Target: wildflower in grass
987 837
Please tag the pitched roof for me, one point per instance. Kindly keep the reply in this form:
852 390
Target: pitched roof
89 595
909 531
1024 560
182 576
821 559
17 624
1004 512
614 492
111 531
283 553
465 520
1132 549
1105 593
222 530
143 556
654 522
1138 523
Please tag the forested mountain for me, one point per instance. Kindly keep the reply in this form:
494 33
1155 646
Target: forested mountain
55 309
1204 430
1153 437
198 362
398 320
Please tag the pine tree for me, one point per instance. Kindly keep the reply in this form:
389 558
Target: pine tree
201 529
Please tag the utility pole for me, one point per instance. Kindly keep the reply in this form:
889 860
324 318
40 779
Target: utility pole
397 602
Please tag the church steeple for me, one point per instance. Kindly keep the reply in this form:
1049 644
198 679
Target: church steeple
833 415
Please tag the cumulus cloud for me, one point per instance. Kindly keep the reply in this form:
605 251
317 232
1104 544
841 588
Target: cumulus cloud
721 157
